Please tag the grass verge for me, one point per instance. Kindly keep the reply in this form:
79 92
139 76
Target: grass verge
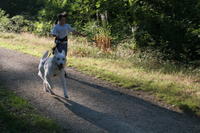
180 87
17 116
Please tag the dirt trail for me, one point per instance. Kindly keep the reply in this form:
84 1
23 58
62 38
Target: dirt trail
93 107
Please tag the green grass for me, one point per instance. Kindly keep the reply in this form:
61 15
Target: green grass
173 84
167 90
17 116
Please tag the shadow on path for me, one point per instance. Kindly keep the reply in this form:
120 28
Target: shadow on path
105 121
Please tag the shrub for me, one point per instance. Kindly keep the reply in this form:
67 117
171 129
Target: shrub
42 28
5 22
171 26
20 24
15 24
101 35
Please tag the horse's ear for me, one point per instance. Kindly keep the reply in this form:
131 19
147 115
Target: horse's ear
63 52
56 51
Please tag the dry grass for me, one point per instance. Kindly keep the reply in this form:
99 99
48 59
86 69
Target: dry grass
26 38
27 42
103 42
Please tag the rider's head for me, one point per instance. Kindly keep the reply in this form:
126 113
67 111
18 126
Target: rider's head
61 18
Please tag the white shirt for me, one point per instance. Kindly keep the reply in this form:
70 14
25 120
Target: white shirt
61 31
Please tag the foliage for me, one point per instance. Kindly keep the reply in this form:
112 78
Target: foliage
171 27
4 21
42 28
20 24
101 35
15 24
22 7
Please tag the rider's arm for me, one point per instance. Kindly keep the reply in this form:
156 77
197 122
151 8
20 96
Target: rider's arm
78 33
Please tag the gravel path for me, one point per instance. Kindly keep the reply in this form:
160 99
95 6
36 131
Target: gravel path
94 106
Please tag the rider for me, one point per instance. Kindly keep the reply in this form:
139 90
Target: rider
60 31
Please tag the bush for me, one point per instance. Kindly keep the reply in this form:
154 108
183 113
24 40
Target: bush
15 24
5 22
20 24
101 35
42 28
171 26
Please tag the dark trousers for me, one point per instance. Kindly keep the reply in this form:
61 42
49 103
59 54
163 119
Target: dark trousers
60 45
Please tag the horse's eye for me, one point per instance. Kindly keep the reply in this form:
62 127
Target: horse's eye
58 58
63 58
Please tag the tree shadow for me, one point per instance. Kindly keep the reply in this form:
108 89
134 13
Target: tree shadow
102 120
186 110
146 120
